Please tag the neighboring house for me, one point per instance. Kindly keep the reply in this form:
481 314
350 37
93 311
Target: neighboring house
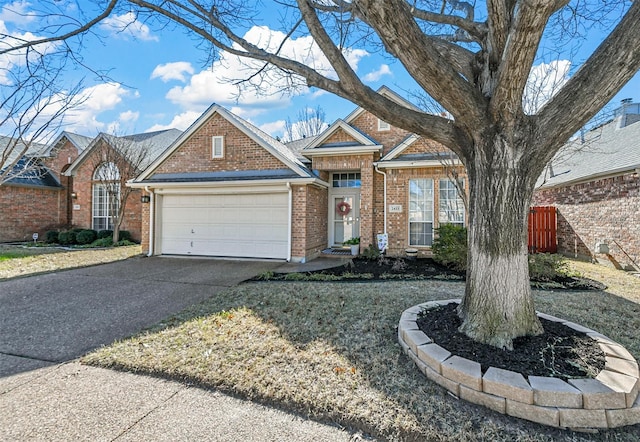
226 188
594 184
91 207
39 200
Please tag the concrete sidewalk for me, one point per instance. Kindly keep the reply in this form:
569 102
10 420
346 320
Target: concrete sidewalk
75 402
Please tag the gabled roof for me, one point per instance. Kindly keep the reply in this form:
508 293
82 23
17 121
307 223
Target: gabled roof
16 146
31 172
361 142
388 93
397 159
606 151
80 142
155 143
266 141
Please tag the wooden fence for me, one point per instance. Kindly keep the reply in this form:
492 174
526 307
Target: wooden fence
542 230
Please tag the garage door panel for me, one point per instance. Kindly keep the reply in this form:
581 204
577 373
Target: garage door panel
247 225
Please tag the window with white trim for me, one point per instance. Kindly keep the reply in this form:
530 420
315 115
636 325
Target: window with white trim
217 147
450 204
383 125
105 196
421 212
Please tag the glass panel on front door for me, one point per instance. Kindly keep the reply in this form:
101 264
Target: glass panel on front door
346 221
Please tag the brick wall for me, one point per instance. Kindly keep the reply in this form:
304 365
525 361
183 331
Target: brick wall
309 222
82 213
26 210
367 123
605 210
240 151
339 136
398 193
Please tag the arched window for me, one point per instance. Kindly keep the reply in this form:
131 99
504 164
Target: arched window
106 196
106 172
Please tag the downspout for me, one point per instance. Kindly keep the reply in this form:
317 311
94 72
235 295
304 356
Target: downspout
290 221
384 197
151 218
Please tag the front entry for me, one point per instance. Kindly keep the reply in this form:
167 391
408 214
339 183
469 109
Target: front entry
344 208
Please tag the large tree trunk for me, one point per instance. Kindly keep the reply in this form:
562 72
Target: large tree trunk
497 306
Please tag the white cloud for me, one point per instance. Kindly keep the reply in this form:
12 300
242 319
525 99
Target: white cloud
17 12
127 25
271 88
545 80
94 101
129 116
181 121
377 75
173 71
274 128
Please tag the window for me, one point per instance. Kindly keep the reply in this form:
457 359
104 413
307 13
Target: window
350 179
106 196
383 125
217 147
450 204
420 212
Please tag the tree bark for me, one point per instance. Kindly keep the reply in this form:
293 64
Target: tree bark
498 306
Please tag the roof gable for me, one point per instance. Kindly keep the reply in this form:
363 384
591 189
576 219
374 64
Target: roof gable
264 140
155 142
359 139
387 93
80 142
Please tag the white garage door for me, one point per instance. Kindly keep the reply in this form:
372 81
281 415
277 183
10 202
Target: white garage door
243 225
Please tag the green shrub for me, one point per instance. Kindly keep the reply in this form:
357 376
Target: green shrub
124 235
372 252
51 236
86 236
103 242
105 234
124 242
547 266
67 238
450 246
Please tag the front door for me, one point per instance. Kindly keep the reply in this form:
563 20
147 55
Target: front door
345 214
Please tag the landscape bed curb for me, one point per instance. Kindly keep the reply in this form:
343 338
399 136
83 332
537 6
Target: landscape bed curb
609 401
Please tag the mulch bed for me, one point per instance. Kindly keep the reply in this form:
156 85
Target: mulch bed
559 352
427 268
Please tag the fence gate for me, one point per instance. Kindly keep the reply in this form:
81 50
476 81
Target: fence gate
542 230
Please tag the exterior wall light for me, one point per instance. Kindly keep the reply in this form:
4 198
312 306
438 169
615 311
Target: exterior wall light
145 199
74 195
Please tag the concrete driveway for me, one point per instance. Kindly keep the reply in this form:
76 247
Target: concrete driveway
48 319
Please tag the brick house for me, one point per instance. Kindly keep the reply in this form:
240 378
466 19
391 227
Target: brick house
90 207
226 188
594 184
40 200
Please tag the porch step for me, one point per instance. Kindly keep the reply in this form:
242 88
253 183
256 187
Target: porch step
336 252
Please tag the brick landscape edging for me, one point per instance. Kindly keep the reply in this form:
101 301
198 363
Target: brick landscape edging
610 400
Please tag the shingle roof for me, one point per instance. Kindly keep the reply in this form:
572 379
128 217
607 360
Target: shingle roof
16 149
36 174
238 175
607 150
154 142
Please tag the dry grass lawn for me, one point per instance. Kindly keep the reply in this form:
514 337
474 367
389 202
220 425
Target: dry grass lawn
328 350
36 260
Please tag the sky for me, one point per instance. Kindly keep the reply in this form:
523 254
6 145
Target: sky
158 79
